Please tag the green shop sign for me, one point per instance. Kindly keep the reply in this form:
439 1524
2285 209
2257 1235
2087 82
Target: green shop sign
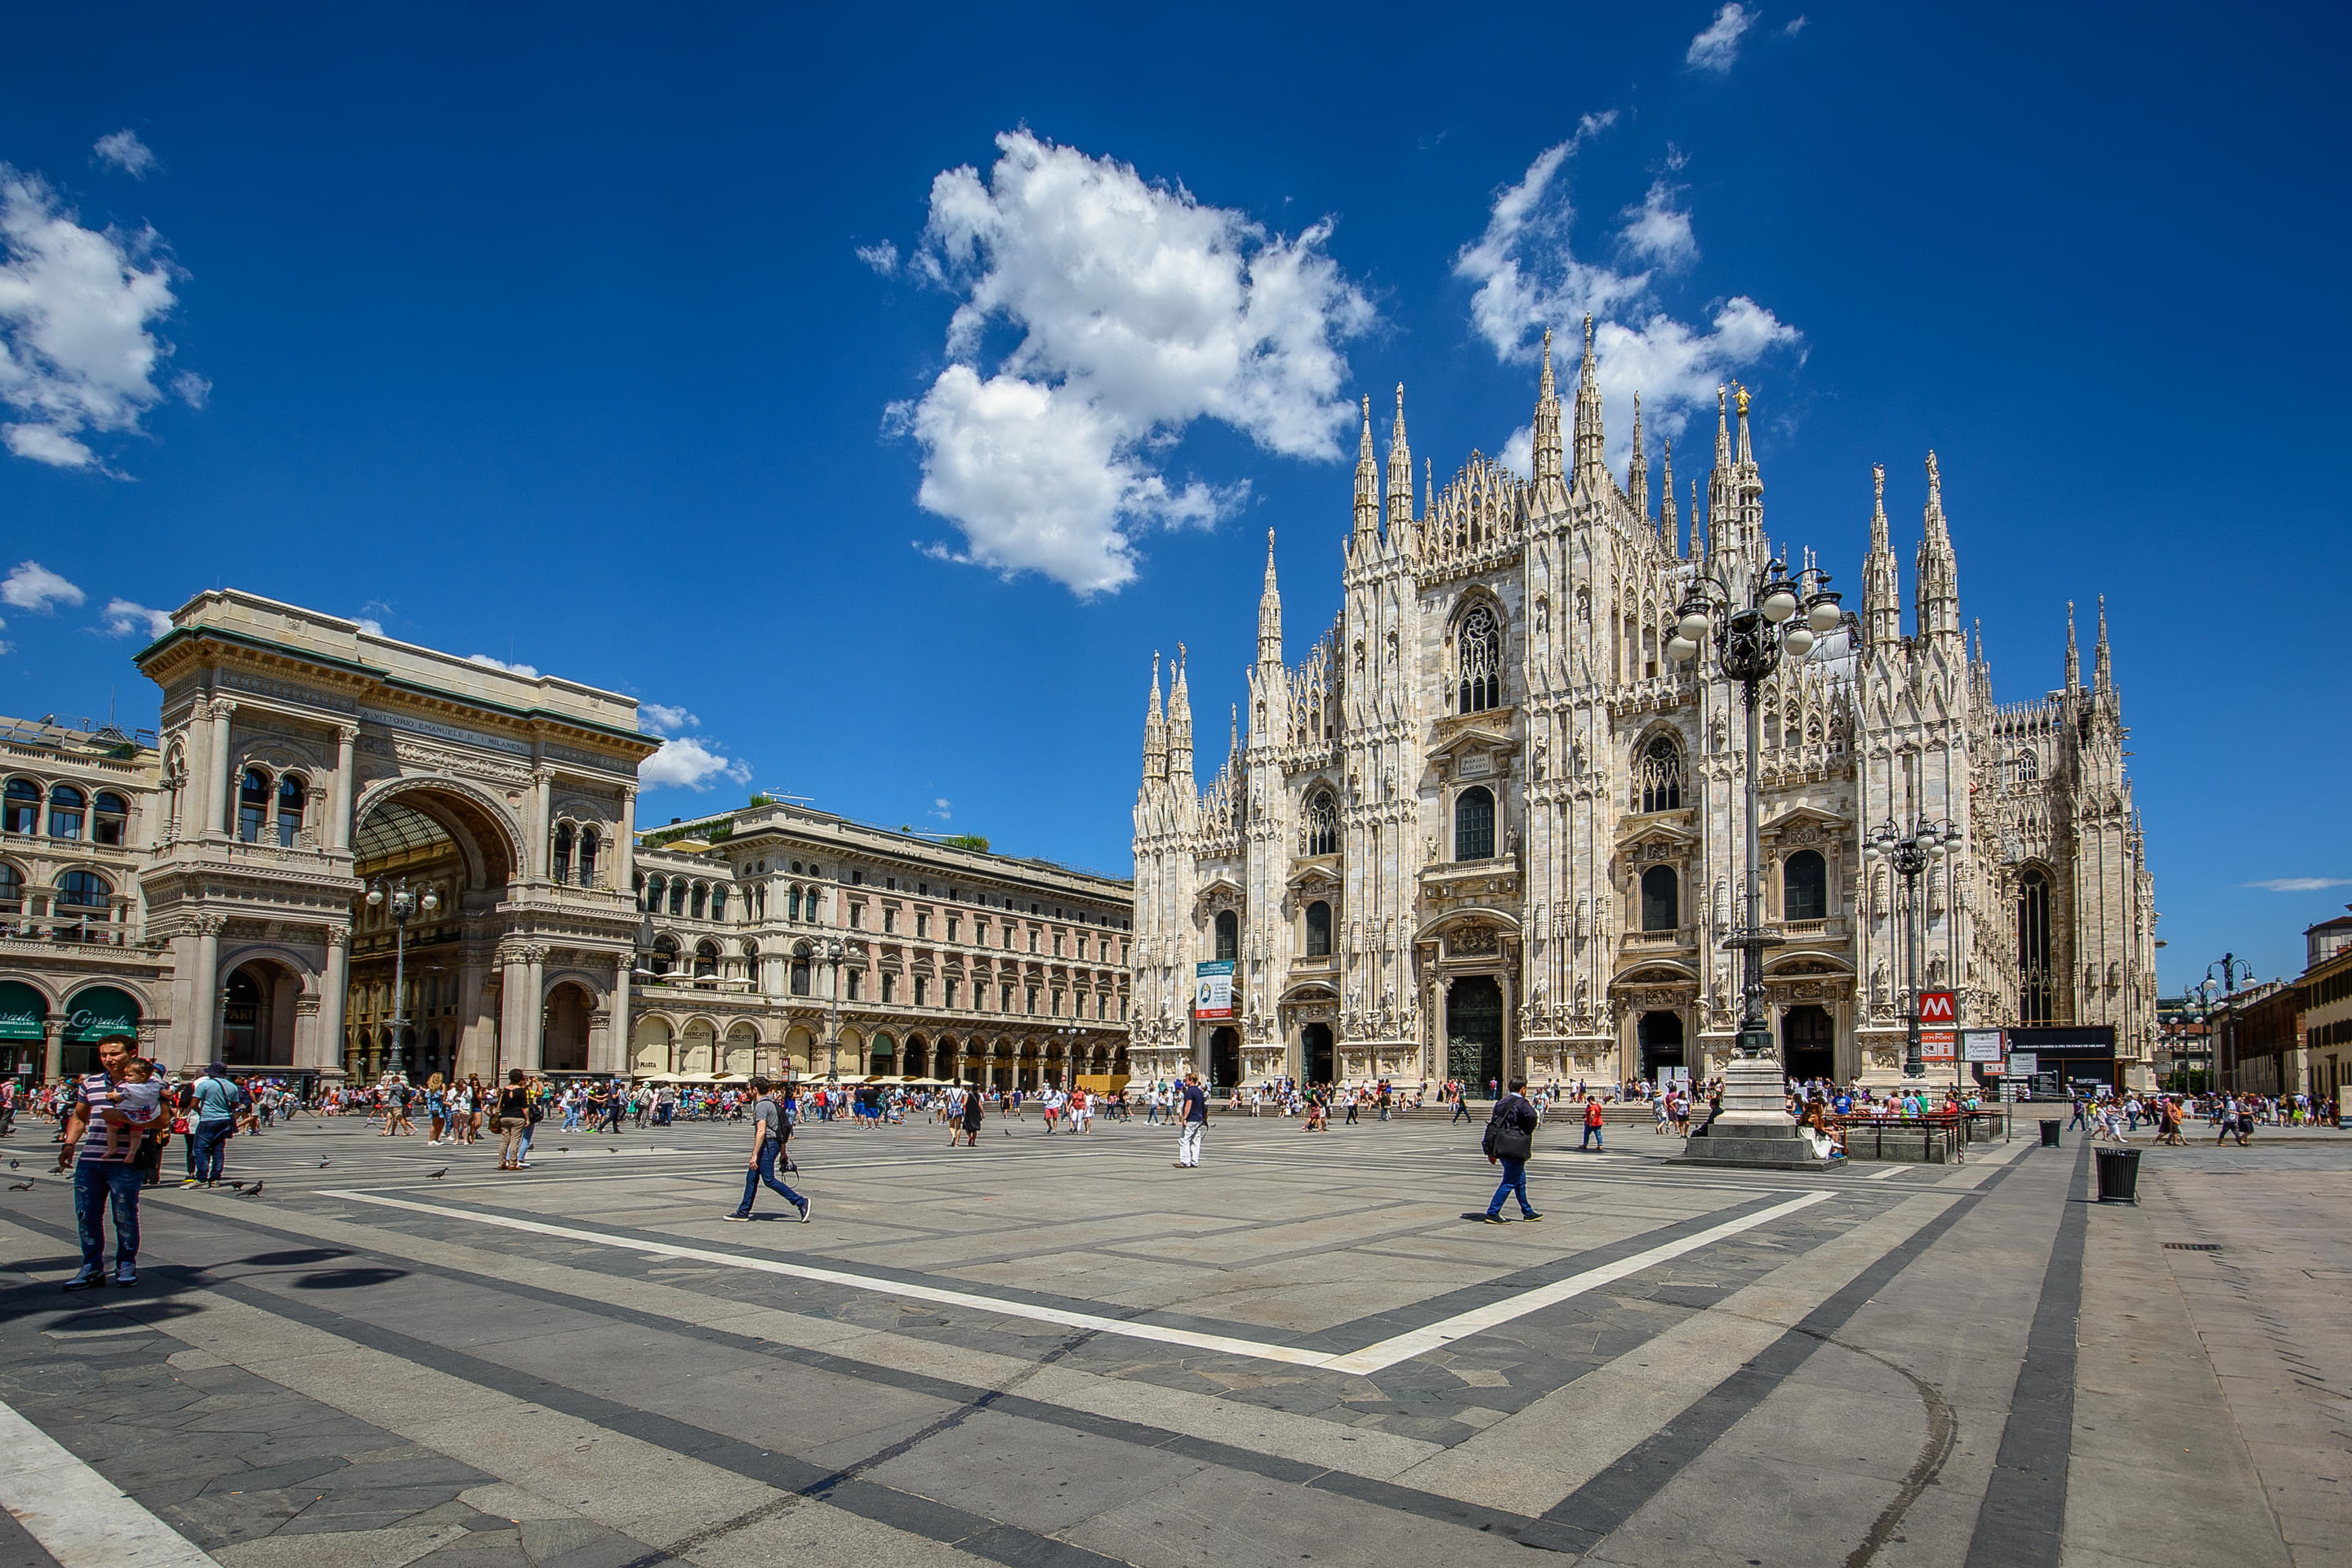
22 1009
100 1011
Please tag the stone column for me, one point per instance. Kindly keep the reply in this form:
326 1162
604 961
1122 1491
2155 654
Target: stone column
542 826
347 790
53 1049
624 859
334 997
223 814
1509 978
200 1030
533 1055
621 1034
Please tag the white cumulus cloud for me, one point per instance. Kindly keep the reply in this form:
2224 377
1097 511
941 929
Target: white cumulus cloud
123 618
78 308
1529 277
32 586
661 718
1717 45
685 760
529 672
1140 310
127 152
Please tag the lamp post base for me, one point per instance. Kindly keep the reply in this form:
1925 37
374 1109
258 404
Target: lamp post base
1754 1129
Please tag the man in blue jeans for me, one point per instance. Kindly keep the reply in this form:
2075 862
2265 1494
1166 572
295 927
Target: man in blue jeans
215 1117
771 1126
101 1183
1509 1139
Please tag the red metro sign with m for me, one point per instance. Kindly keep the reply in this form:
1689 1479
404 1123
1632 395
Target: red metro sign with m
1937 1007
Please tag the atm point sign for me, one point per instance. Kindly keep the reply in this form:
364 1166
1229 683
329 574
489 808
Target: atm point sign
1938 1009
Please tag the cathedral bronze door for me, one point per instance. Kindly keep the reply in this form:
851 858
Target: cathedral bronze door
1225 1058
1315 1053
1661 1037
1808 1044
1474 1031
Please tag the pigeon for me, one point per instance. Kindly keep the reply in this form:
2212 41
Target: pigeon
563 1148
436 1175
252 1192
12 1164
324 1164
239 1186
20 1187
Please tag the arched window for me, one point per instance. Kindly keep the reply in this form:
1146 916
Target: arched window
1322 823
800 977
22 811
719 903
2036 990
2028 767
11 889
1319 930
252 804
291 801
651 893
1661 903
677 898
1474 824
562 869
1478 654
1229 936
701 901
705 960
588 845
665 959
65 807
110 819
1658 777
1805 886
83 890
792 907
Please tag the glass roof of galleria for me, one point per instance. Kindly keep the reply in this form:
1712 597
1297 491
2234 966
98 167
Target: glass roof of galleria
393 830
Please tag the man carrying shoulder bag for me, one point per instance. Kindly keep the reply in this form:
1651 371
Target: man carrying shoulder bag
1509 1139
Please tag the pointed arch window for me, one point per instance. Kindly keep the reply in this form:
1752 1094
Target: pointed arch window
1658 777
1322 823
1478 656
1474 824
2036 980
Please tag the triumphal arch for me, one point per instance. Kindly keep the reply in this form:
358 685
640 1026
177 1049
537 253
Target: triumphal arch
307 761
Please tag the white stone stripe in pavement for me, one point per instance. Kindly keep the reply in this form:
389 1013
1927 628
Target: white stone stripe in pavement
80 1517
1370 1359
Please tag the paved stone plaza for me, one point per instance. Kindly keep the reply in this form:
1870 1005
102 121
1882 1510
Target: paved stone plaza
1063 1350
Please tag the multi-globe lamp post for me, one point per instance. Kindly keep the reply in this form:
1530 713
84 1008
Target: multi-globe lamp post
1910 854
404 904
1782 618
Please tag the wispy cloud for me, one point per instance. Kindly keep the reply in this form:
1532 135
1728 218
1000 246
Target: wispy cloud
882 256
32 586
127 152
1717 47
2301 884
1793 28
529 672
122 619
941 809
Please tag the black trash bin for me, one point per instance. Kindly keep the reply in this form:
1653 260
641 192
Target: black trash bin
2118 1176
2050 1133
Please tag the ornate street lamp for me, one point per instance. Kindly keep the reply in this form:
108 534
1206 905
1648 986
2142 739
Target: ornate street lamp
1910 853
2232 970
1749 642
403 905
830 951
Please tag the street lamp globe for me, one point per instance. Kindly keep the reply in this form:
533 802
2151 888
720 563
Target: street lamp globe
1825 615
1780 601
1693 627
1797 641
375 898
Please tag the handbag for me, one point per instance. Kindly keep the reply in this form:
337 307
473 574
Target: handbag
1514 1143
180 1125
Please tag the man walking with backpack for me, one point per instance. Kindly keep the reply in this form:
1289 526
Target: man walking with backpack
771 1127
1509 1139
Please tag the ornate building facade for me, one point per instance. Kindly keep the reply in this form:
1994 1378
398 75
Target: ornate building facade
1486 826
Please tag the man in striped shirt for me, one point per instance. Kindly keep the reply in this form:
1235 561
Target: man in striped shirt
97 1180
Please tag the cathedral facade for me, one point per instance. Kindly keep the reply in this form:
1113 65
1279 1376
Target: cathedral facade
1488 825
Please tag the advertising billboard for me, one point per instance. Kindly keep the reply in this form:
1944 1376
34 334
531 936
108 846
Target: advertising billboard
1213 992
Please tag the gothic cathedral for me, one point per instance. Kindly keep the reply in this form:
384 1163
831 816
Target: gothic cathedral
1488 827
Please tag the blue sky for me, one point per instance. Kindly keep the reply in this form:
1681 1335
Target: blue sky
632 347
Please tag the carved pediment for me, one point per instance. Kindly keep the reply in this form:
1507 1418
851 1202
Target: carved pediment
1476 735
1657 838
1221 893
1807 824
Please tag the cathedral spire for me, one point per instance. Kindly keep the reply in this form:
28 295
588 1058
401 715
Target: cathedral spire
1697 553
1549 490
1882 592
2103 671
1269 612
1637 472
1746 454
1180 730
1939 572
2073 657
1750 483
1591 464
1368 479
1155 733
1400 473
1670 528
